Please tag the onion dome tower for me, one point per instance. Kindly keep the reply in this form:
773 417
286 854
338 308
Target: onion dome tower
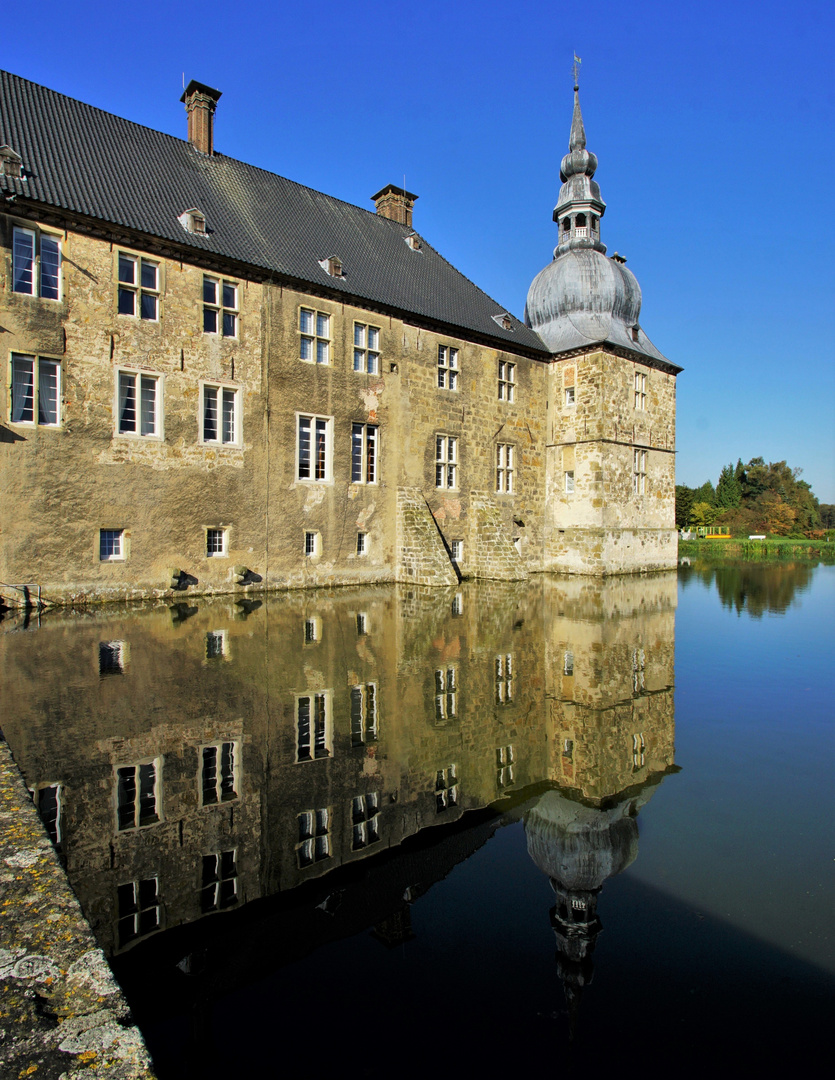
582 297
610 464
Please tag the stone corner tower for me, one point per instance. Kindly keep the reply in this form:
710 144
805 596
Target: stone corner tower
610 463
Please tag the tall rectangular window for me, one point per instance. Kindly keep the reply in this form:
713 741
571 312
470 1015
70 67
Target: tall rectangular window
49 808
366 348
363 454
138 909
138 287
313 727
447 367
507 381
36 264
218 776
36 391
639 474
219 881
365 820
314 336
446 694
139 404
220 415
569 482
505 469
446 461
363 714
220 307
314 448
640 391
504 679
505 758
137 796
314 843
446 788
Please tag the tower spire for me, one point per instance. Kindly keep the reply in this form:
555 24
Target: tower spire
579 207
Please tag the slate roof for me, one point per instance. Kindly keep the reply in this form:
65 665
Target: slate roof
82 159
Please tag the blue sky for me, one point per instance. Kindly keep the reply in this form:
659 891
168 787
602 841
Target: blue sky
713 123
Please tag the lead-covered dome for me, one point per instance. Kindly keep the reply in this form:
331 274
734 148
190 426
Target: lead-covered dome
582 298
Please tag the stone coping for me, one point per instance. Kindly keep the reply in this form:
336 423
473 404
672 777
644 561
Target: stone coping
62 1013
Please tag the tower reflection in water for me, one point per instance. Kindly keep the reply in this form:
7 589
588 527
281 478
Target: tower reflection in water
332 756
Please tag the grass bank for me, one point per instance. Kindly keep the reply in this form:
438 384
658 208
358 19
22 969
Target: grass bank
777 547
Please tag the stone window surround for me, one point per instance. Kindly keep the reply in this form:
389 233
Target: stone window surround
41 272
448 367
135 803
314 330
18 398
223 417
365 453
314 836
505 460
219 880
507 381
446 462
316 459
222 759
640 391
137 287
107 539
216 542
366 348
221 306
314 726
143 383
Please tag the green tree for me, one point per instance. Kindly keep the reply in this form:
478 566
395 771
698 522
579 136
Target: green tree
684 504
729 489
705 494
702 513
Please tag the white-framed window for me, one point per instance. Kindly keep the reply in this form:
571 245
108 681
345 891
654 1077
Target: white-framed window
504 679
113 658
568 663
362 624
49 799
505 468
569 482
446 461
456 550
138 907
312 545
364 440
639 747
639 664
217 645
219 773
220 307
112 545
362 543
314 336
505 758
36 264
363 714
219 881
138 795
312 630
220 414
447 367
314 726
217 541
507 381
366 348
138 404
639 472
138 287
446 694
36 391
457 606
640 391
446 788
314 842
570 397
313 448
365 820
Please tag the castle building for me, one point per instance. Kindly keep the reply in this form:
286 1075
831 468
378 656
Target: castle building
217 380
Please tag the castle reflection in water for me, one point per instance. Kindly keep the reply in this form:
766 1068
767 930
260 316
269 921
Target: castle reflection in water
188 760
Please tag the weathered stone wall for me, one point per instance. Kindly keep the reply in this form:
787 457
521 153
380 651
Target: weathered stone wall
604 526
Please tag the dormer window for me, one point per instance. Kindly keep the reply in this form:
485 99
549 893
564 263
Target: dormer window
11 163
333 266
413 241
504 321
193 221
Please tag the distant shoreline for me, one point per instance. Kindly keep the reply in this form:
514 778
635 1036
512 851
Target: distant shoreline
775 547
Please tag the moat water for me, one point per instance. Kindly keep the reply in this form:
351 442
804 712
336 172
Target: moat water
505 829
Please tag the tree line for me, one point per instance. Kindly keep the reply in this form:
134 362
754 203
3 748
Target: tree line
758 497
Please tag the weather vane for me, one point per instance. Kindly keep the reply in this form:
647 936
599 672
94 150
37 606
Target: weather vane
577 62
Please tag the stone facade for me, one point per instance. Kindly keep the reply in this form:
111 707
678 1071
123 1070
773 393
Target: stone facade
172 421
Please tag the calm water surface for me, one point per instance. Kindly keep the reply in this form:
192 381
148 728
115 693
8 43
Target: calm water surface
505 829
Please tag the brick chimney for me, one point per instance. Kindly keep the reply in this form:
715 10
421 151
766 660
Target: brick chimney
395 203
201 102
